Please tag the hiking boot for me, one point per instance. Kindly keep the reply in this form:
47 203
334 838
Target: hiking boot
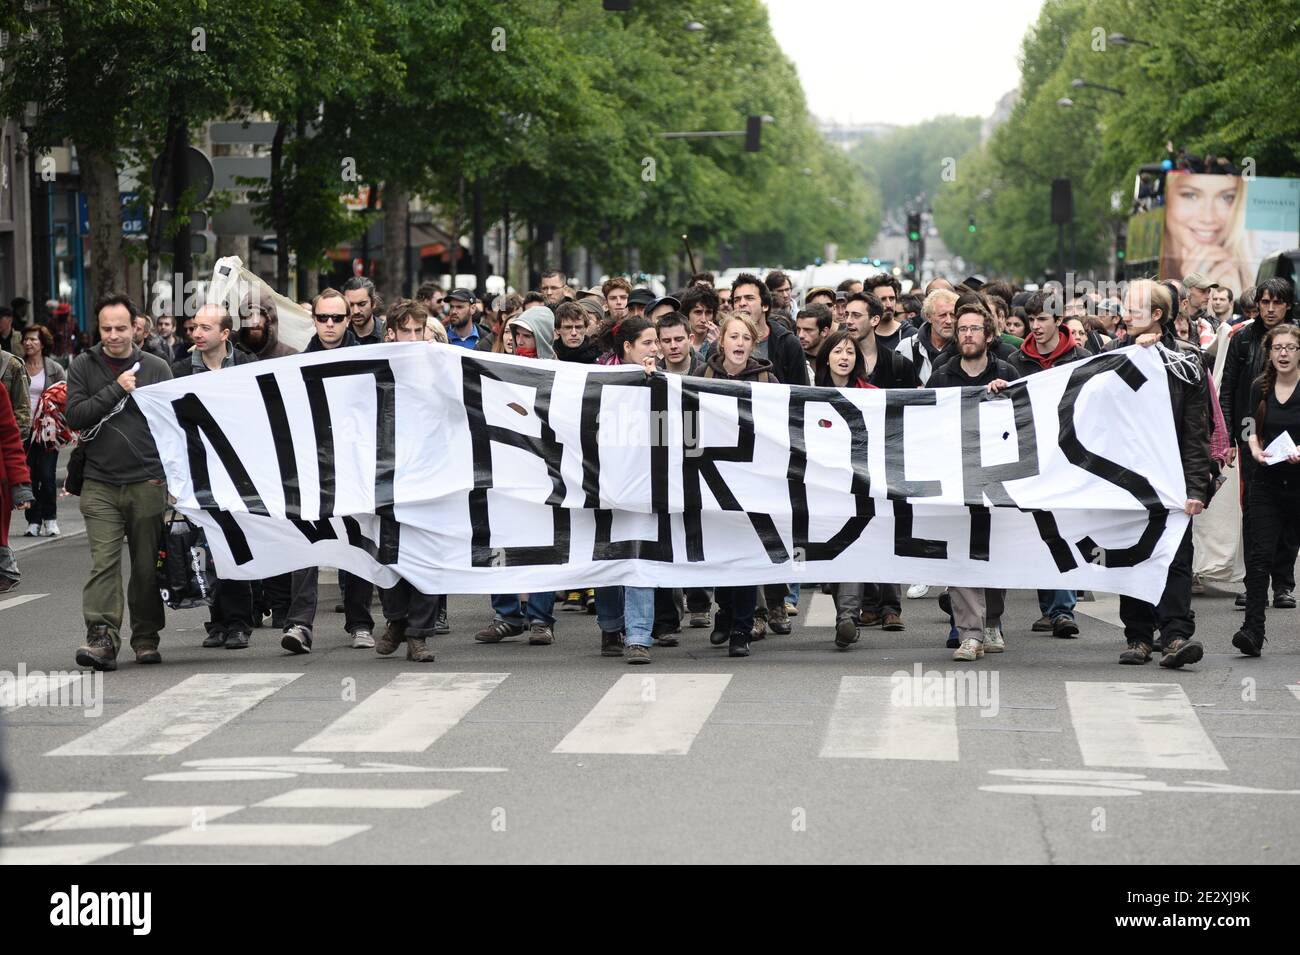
970 649
1064 627
147 655
667 639
296 640
394 636
1283 600
440 625
540 635
417 651
215 638
1042 625
846 633
98 651
720 633
1248 643
993 640
699 620
892 622
363 639
778 621
759 631
635 654
497 631
869 618
611 644
1177 653
238 640
739 641
1137 653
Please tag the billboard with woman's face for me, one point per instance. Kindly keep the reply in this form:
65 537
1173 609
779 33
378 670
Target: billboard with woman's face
1222 226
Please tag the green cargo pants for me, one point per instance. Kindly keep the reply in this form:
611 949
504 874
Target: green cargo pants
113 513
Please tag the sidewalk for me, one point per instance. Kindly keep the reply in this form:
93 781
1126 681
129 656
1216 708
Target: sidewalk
70 521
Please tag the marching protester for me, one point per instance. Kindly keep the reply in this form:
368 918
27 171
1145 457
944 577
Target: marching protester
976 611
46 400
13 379
700 304
813 326
462 330
259 332
675 345
363 304
231 623
15 489
616 291
123 493
571 340
921 349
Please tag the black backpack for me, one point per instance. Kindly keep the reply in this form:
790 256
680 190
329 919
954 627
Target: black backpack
186 575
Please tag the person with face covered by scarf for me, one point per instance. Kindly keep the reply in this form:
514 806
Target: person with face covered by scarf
259 332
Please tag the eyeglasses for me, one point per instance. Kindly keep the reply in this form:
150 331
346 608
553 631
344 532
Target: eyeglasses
970 330
334 317
1288 349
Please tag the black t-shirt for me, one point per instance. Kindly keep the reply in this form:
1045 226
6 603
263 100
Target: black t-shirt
1278 417
951 374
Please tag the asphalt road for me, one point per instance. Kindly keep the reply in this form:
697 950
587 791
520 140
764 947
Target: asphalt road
512 753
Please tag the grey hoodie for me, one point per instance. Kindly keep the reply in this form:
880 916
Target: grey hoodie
539 320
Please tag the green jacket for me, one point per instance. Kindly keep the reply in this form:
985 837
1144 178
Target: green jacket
13 378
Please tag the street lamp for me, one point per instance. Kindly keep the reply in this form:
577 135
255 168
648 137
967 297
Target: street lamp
1079 84
1066 103
1119 39
694 26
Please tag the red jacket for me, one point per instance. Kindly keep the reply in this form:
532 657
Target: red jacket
13 463
1027 360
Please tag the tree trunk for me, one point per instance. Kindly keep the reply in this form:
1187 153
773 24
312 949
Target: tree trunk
99 183
397 210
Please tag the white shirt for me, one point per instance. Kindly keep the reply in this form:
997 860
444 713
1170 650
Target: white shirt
35 389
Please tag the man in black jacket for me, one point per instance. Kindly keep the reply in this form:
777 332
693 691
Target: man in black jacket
124 493
231 623
1241 366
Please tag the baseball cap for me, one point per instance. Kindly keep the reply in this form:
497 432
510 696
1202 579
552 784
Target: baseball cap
460 295
665 300
640 296
1197 280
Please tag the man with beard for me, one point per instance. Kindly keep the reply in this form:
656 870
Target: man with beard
259 332
362 301
921 349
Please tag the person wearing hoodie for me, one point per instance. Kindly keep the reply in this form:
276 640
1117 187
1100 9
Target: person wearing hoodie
534 335
259 332
923 348
733 360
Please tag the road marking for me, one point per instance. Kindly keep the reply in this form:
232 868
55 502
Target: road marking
178 717
19 601
1103 607
1150 725
151 817
57 802
1295 691
357 799
406 716
43 689
650 714
866 723
81 854
257 835
820 612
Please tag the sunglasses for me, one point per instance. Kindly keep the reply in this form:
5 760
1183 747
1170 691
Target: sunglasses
333 317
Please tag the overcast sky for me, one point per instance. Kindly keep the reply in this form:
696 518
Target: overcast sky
912 75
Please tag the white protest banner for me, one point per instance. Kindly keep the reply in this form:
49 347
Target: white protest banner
467 472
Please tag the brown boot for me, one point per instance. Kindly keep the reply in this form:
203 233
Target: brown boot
417 652
98 651
391 638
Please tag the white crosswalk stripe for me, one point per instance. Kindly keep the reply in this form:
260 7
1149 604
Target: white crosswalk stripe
406 716
57 801
46 689
357 799
871 721
1295 690
650 714
178 717
152 817
19 601
76 854
1148 725
262 835
820 611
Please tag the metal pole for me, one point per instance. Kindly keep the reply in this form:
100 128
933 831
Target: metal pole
1060 252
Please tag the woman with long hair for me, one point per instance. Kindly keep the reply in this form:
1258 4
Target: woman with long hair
1274 488
42 453
1205 218
840 364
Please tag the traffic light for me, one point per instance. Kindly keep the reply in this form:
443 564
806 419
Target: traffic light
914 227
1119 254
911 266
970 223
753 132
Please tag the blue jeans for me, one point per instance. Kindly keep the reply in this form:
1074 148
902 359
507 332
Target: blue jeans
639 615
609 609
793 591
1057 603
508 608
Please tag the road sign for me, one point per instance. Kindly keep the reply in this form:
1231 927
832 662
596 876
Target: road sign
229 168
198 172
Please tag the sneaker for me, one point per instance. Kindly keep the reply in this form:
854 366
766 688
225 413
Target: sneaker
917 591
1240 602
611 644
540 635
892 622
1283 600
720 634
846 633
1177 653
739 647
1042 625
993 640
635 654
441 625
572 601
778 622
296 639
51 529
148 655
238 640
699 620
1248 643
394 636
970 649
363 640
1137 653
869 618
791 609
215 638
33 530
589 602
1064 627
497 631
954 639
98 651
